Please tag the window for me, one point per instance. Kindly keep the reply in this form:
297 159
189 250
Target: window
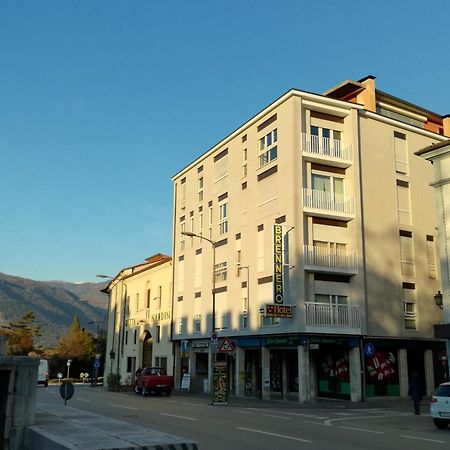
244 320
200 223
221 272
404 203
406 253
161 361
238 263
200 189
158 333
180 275
244 162
326 139
197 323
268 148
127 306
135 337
148 298
137 301
223 218
210 221
183 192
180 325
328 183
431 257
269 321
401 153
126 337
221 322
182 237
331 299
198 270
410 316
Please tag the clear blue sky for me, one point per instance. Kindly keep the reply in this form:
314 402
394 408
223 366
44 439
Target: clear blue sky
102 102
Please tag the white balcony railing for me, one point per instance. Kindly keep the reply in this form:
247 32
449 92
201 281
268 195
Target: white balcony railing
326 148
328 203
332 259
332 316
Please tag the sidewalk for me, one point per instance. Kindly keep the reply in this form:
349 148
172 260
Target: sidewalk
60 427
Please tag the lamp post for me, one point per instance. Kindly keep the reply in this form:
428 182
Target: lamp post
213 321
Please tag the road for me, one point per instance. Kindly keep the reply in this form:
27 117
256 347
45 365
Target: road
256 425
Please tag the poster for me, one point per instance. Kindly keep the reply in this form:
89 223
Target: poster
220 384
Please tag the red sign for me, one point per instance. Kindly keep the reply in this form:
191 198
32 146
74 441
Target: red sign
273 310
227 346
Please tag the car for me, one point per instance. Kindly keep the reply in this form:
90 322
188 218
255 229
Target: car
153 379
43 372
440 406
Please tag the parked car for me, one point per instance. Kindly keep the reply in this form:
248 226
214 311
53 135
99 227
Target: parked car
43 372
153 379
440 406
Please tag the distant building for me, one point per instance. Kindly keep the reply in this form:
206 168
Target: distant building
317 203
139 318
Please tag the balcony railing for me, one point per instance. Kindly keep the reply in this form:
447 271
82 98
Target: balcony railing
328 204
333 316
330 260
326 149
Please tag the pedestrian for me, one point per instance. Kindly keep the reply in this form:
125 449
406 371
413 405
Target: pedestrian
416 391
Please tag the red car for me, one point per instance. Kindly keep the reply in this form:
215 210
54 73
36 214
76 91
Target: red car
153 379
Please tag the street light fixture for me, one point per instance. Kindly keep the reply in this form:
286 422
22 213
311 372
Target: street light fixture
439 300
213 321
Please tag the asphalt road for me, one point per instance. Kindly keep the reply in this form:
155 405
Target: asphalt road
256 425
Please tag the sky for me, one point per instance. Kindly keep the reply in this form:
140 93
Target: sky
103 101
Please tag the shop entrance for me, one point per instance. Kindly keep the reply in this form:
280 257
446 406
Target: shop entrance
333 377
253 378
147 349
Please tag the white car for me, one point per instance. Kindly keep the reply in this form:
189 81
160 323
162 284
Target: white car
43 372
440 406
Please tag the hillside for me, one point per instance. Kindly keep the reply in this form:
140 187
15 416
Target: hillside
54 304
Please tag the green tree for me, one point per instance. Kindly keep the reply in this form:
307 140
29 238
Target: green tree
21 334
78 344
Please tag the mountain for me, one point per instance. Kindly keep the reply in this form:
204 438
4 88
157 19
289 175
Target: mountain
54 304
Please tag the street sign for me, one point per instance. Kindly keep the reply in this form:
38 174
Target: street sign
60 375
98 355
66 390
214 337
227 346
369 350
96 364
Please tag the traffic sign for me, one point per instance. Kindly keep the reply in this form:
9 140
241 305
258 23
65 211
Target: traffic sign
60 375
96 364
66 390
369 350
227 346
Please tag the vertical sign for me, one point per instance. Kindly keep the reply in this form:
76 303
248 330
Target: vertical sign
278 264
220 383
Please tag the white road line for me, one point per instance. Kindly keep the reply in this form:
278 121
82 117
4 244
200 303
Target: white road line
193 404
317 423
241 412
422 439
361 429
123 407
275 434
83 400
171 401
277 417
328 422
178 417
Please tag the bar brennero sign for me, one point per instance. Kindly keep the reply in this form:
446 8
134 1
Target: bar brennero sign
278 264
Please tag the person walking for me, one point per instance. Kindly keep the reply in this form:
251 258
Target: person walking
416 391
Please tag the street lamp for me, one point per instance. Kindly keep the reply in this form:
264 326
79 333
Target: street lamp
213 321
439 300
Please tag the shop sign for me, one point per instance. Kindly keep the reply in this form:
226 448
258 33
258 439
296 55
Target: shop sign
278 264
283 311
162 315
200 345
282 341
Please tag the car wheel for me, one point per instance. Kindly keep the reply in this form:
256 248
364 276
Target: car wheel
441 424
168 391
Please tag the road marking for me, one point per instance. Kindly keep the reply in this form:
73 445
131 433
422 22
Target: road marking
328 422
123 407
178 417
171 401
275 434
241 412
83 400
362 429
193 404
422 439
316 423
277 417
311 416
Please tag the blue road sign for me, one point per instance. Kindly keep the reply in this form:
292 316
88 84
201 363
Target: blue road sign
369 349
96 364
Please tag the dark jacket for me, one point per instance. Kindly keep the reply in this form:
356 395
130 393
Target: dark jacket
416 388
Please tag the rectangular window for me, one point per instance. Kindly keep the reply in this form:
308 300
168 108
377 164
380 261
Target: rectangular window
223 218
328 183
268 148
137 301
269 321
182 236
127 306
183 192
401 153
244 320
126 337
200 223
148 298
238 263
210 221
221 272
431 257
161 361
406 254
325 139
200 189
244 162
180 325
158 333
197 323
331 299
404 203
135 337
180 276
410 316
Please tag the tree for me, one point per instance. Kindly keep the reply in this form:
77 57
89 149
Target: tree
21 334
78 344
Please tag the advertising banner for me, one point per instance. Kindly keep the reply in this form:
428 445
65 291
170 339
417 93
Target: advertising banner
220 384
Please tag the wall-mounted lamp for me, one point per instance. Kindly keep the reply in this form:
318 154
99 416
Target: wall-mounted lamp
439 300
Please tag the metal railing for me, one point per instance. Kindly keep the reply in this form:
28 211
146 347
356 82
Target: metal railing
327 148
334 259
328 202
329 315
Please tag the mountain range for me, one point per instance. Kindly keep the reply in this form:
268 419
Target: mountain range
54 303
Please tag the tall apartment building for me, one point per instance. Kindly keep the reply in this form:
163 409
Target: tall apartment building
321 228
139 318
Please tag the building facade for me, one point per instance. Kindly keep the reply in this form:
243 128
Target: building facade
312 248
139 319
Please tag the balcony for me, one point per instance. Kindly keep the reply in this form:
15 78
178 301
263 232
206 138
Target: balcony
325 260
327 151
328 204
326 317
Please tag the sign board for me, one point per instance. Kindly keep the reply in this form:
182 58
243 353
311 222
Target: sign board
96 364
227 346
220 384
184 346
186 381
60 375
66 390
214 338
274 310
282 341
278 264
369 350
